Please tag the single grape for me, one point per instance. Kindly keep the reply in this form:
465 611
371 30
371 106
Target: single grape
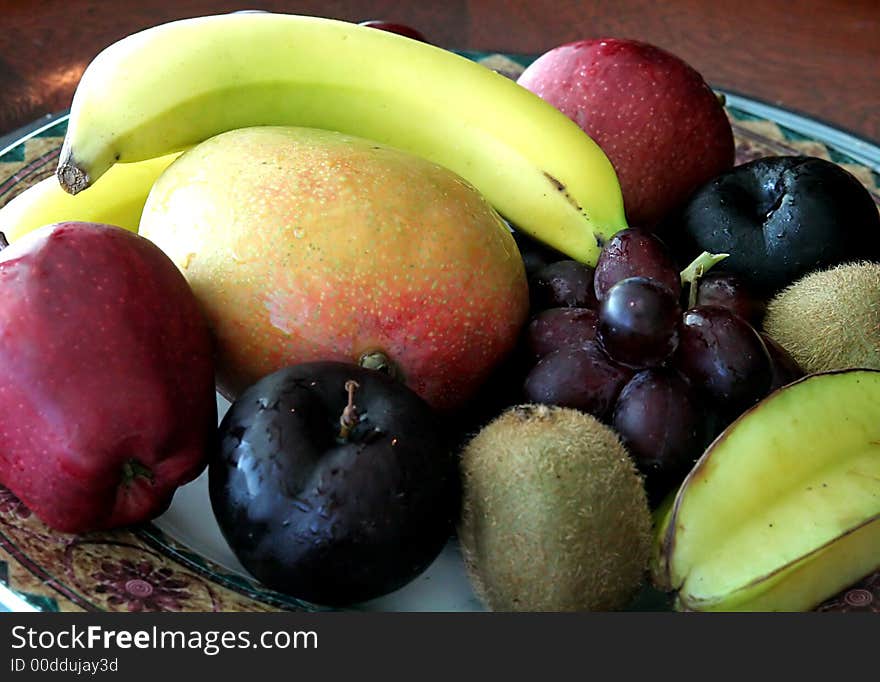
731 292
558 328
638 322
563 284
722 355
663 426
583 378
392 27
785 368
635 253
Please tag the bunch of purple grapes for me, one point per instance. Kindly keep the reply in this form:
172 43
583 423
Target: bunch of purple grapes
666 367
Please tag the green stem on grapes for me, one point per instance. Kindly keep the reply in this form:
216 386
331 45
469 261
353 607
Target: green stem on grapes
4 242
699 267
349 414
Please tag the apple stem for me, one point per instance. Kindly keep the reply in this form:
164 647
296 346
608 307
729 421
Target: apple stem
4 242
349 415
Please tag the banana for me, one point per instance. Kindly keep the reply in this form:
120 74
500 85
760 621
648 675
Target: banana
783 510
117 200
180 83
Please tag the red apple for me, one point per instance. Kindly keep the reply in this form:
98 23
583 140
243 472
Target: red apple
106 377
662 127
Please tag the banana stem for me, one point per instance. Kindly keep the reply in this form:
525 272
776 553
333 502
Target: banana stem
4 242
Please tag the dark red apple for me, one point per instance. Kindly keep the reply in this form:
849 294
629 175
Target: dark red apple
662 127
106 377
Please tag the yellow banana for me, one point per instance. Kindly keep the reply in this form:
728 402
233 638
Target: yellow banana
180 83
117 200
783 510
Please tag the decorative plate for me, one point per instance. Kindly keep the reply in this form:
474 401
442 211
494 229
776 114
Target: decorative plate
180 562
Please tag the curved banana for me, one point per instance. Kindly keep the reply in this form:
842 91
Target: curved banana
117 200
179 83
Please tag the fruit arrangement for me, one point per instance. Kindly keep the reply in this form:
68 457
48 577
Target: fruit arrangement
523 315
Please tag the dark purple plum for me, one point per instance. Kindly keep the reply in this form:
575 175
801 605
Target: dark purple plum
563 284
638 322
582 378
784 367
723 356
779 218
635 253
731 292
664 427
330 491
558 328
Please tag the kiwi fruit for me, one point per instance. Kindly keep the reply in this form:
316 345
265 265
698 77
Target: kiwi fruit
830 319
554 515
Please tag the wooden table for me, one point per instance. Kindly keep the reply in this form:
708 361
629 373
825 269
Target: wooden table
817 57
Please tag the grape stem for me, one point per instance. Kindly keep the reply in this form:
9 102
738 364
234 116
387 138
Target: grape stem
699 266
349 414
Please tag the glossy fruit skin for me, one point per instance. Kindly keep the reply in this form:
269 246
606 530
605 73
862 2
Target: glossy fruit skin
660 124
558 328
106 377
731 292
779 218
635 253
638 322
663 425
305 245
565 283
581 378
724 356
333 521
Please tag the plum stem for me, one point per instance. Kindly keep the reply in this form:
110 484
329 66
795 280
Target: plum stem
4 242
349 414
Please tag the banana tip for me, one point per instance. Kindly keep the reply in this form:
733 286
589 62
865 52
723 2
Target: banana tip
72 179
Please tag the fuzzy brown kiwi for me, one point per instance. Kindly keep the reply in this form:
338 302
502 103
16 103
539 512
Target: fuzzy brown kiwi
555 516
830 319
